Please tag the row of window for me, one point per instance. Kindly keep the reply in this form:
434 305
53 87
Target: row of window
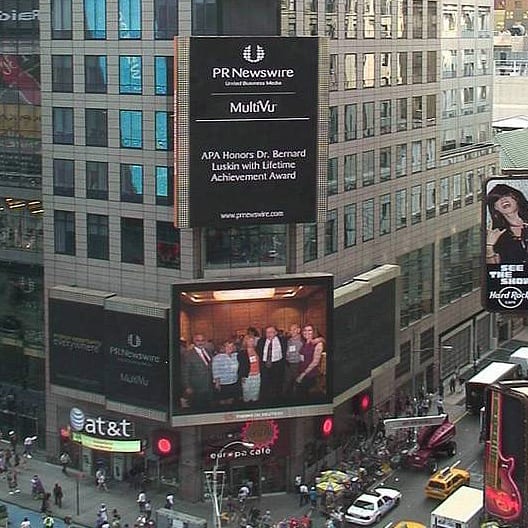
96 128
131 181
130 80
465 134
373 166
465 63
465 101
410 207
98 238
381 117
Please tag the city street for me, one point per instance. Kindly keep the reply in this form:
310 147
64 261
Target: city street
17 514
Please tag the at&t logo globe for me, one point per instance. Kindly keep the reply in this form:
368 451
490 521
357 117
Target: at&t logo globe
253 54
77 419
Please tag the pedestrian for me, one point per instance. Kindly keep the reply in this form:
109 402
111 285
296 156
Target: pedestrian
452 384
148 509
49 521
28 446
57 494
303 494
440 405
25 523
169 501
141 500
297 481
12 482
64 460
12 440
45 504
101 482
116 522
266 520
313 497
103 512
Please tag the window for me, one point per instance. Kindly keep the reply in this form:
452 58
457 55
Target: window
430 199
467 22
416 156
96 127
64 229
385 69
402 18
385 117
95 74
480 182
432 74
367 168
449 103
432 20
167 245
417 67
165 19
333 124
468 60
417 112
416 204
350 71
61 19
131 183
309 242
386 19
131 128
132 250
368 219
385 214
129 19
334 73
401 67
97 240
369 70
331 232
401 208
444 195
62 73
332 177
63 126
163 131
457 191
369 19
469 188
418 19
97 180
350 172
430 102
164 186
401 160
350 122
310 10
349 222
368 119
401 114
164 74
130 74
430 153
331 18
205 18
449 64
63 177
385 164
95 19
351 19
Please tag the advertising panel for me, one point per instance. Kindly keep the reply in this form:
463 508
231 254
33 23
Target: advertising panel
137 359
505 245
19 113
19 19
254 344
253 122
76 332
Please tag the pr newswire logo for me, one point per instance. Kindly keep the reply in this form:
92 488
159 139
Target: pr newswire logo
509 297
253 54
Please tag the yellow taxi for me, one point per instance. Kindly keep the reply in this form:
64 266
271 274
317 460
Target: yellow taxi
406 524
446 481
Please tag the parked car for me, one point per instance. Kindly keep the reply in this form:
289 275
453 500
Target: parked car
371 506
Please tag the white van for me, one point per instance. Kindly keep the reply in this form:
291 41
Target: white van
462 509
520 357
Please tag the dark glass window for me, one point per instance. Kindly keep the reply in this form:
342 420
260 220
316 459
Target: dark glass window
331 232
164 186
132 250
163 131
165 19
95 74
167 245
63 126
62 73
131 128
164 75
204 17
332 176
129 19
95 19
130 74
310 242
131 183
350 225
333 125
96 128
64 229
97 236
97 180
61 19
63 177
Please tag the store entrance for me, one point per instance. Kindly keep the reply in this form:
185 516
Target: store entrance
265 477
249 475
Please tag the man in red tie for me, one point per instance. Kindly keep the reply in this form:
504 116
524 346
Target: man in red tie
272 353
197 388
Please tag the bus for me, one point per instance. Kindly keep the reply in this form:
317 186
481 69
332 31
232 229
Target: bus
476 386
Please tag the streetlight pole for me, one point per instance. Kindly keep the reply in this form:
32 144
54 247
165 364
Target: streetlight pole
217 498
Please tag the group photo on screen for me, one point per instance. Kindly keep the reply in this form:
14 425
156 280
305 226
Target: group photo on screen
254 347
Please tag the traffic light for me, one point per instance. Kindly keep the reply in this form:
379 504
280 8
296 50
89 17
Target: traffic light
326 426
164 443
362 402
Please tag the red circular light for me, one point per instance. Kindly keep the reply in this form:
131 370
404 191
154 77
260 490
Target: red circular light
364 403
327 426
164 446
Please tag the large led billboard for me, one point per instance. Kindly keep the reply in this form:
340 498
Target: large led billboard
245 346
256 149
505 452
19 19
505 245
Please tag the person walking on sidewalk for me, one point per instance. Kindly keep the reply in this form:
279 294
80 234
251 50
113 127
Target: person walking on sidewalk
64 461
452 384
25 523
169 502
303 494
440 405
101 482
141 500
28 446
148 510
57 494
48 521
313 497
